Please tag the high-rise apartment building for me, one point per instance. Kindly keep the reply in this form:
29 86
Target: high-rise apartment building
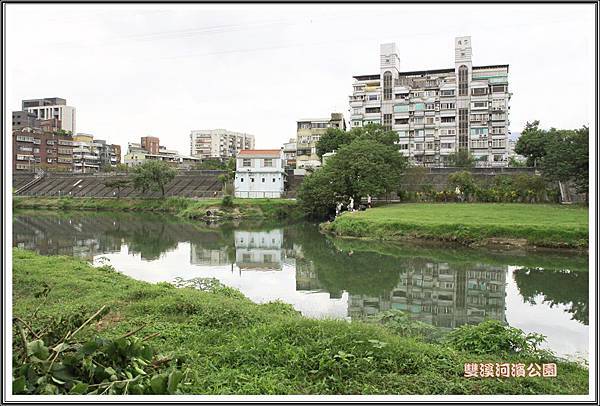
219 143
308 133
437 112
52 108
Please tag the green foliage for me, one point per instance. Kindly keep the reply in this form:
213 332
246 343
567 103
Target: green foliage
400 323
227 201
567 157
532 143
461 159
153 175
514 163
493 337
211 164
332 140
54 363
316 195
465 181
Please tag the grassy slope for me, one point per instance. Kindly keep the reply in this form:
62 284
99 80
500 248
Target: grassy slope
236 346
542 225
188 208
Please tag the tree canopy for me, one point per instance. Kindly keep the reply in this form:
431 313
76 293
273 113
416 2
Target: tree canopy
367 162
335 138
532 143
153 175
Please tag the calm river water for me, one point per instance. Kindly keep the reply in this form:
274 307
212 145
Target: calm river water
445 286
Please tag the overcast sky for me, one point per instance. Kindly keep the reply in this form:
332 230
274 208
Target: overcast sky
163 70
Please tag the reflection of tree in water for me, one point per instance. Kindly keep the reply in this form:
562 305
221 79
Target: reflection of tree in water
354 272
557 287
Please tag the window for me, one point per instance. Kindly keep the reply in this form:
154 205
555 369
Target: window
401 108
430 106
498 89
401 121
448 119
246 163
373 97
430 120
372 110
403 146
252 180
449 92
429 145
479 91
387 121
419 106
24 138
479 105
463 80
447 106
448 131
273 180
418 120
263 180
463 125
241 179
387 86
447 145
479 131
419 133
268 163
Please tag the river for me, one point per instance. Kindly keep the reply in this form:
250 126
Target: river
443 285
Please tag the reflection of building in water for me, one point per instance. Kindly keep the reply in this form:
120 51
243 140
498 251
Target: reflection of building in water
441 296
49 235
204 256
259 250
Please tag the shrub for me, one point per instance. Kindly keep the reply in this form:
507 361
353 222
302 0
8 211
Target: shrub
494 338
227 201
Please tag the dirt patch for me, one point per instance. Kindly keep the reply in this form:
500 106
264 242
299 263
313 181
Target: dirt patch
108 320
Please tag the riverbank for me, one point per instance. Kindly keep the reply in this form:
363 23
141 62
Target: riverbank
470 224
201 209
234 346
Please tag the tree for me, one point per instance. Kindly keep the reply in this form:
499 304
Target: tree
461 159
365 167
532 143
153 175
515 163
567 157
316 195
118 184
335 138
332 140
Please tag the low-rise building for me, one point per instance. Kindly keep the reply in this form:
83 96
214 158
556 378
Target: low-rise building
289 153
38 150
93 155
138 153
309 132
259 173
219 143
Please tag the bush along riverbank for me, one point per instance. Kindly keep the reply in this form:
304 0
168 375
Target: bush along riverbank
472 224
93 330
227 208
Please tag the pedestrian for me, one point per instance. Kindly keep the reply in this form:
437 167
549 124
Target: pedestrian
458 193
369 201
351 204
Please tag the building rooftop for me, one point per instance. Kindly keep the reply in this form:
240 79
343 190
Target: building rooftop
424 72
260 152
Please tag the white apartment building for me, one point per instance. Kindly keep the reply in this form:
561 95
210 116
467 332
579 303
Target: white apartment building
52 108
309 132
220 143
437 112
259 173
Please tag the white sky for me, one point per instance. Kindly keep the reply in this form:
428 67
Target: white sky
163 70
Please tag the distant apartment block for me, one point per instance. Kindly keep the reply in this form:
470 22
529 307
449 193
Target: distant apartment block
93 155
35 150
289 153
438 112
308 133
149 148
220 143
52 108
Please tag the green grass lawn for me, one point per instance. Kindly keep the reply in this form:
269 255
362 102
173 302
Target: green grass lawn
543 225
234 346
